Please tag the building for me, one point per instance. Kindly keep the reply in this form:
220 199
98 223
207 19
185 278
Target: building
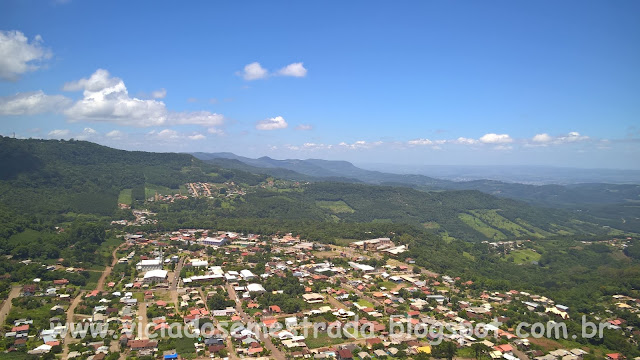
152 276
313 298
217 241
148 265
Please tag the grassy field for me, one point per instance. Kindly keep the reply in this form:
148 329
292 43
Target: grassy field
336 207
364 303
481 227
495 220
151 189
322 340
125 197
524 256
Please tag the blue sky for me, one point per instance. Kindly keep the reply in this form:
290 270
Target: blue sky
425 82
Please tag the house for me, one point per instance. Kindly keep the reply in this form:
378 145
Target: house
60 282
344 354
137 345
29 290
313 298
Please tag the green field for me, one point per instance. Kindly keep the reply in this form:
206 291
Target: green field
125 197
495 220
481 227
336 207
524 256
321 340
151 189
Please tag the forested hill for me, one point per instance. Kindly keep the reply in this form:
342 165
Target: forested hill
52 177
567 196
57 176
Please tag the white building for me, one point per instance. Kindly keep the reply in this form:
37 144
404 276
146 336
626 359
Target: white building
148 265
255 288
155 276
247 274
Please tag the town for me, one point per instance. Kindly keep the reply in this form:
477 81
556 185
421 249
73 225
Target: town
286 298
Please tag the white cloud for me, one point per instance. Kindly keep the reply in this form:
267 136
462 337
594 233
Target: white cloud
86 134
30 103
166 134
275 123
115 134
465 141
304 127
105 98
216 131
573 137
159 94
295 70
58 134
420 142
197 137
545 139
18 55
254 71
496 139
360 144
542 138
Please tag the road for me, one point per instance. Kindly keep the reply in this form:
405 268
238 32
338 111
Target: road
107 270
70 315
6 305
335 303
275 352
173 288
142 318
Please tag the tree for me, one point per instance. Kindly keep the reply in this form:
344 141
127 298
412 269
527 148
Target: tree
479 350
446 350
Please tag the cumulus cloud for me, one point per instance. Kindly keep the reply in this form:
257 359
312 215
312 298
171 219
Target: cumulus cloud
197 137
18 55
86 134
420 142
254 71
295 70
465 141
105 98
496 139
542 138
545 139
275 123
59 134
115 134
30 103
304 127
360 144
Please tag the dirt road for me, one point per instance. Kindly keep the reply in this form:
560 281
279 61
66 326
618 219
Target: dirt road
6 305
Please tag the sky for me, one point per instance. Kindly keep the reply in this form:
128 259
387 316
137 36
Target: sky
411 82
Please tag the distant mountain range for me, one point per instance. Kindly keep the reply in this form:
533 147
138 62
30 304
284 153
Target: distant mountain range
569 196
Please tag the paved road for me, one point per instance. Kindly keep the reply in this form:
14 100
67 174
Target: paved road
275 352
6 305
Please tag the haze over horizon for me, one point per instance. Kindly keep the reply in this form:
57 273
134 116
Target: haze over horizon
418 83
